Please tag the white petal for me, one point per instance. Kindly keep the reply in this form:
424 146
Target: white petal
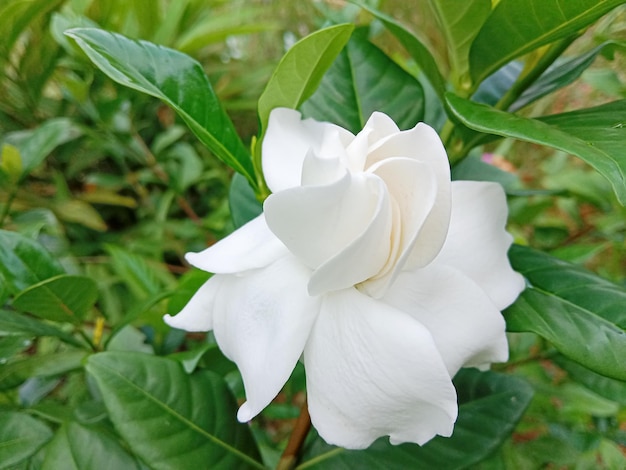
424 145
261 321
467 327
477 242
341 230
251 246
197 315
289 139
413 187
374 371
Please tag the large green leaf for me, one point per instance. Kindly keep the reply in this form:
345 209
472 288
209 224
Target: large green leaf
460 22
300 70
19 324
596 135
62 298
516 27
78 447
358 83
172 420
576 332
21 436
24 262
490 406
176 79
571 283
414 47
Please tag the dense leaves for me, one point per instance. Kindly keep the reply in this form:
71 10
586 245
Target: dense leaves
103 191
174 78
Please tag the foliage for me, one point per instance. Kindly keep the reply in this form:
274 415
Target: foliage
103 188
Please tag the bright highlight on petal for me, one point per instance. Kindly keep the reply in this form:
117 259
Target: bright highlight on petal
369 265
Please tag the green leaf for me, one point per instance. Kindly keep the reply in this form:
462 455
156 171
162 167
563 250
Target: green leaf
572 283
176 79
16 372
12 345
62 298
596 135
490 406
358 83
611 389
562 74
300 71
24 262
34 146
134 270
516 27
19 324
461 22
78 447
576 332
21 436
414 47
169 419
244 206
10 162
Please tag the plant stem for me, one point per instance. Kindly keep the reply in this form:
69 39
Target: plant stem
290 456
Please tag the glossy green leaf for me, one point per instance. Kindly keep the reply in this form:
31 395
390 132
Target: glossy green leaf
300 70
576 332
596 135
24 262
21 436
16 372
414 47
176 79
572 283
490 406
244 206
516 27
169 419
460 23
62 298
19 324
78 447
562 74
358 83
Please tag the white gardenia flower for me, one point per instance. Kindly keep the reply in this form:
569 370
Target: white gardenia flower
372 267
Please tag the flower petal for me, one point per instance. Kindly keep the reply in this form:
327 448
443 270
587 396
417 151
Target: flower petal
477 242
330 228
424 145
261 321
467 327
251 246
197 315
373 371
413 187
289 139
